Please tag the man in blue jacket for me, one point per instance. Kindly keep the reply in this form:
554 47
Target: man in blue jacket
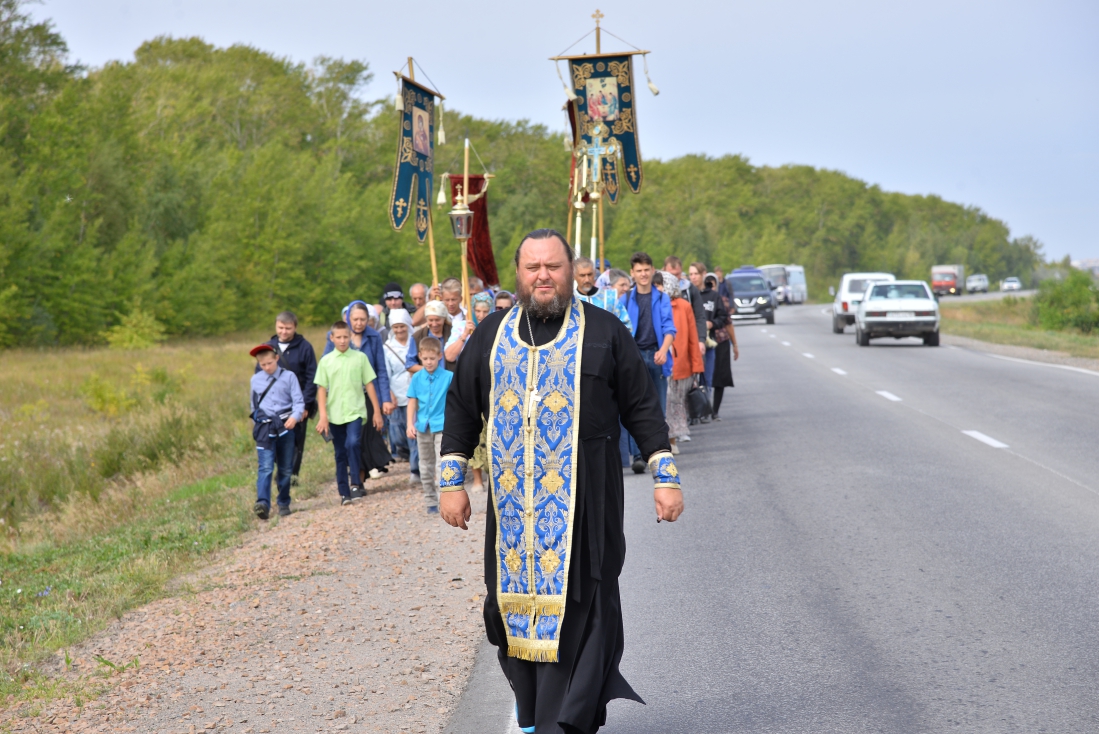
653 329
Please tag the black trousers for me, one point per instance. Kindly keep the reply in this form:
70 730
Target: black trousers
300 432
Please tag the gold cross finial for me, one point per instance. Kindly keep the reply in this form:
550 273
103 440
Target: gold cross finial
598 17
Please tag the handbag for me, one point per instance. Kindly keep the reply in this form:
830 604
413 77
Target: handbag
698 403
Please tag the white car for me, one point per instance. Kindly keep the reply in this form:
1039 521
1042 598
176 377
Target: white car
1011 284
977 283
898 308
852 286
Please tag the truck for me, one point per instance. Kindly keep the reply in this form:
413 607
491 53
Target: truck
948 279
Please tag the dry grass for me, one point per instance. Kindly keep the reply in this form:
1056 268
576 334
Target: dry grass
118 471
1011 321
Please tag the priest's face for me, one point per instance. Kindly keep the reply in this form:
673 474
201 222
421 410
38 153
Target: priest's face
543 277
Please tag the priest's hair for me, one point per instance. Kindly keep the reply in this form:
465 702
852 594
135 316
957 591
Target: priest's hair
544 234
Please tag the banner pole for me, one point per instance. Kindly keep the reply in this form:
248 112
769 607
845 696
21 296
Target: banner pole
602 253
465 244
594 227
431 249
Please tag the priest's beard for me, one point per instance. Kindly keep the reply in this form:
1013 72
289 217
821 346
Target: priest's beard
551 309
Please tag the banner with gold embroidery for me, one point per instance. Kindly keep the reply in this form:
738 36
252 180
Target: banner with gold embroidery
413 177
605 90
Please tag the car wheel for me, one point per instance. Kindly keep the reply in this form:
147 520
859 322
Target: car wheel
837 325
931 340
771 318
861 337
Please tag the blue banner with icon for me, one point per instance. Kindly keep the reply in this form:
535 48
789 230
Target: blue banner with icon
413 177
604 109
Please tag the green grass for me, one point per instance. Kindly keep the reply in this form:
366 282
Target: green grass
1010 321
119 471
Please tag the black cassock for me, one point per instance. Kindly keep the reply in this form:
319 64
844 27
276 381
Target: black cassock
571 695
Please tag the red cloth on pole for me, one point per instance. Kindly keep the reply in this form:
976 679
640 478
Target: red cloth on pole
479 247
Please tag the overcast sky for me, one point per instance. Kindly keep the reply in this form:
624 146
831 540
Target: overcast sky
990 104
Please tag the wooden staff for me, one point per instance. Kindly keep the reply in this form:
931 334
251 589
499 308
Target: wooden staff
602 253
431 249
465 245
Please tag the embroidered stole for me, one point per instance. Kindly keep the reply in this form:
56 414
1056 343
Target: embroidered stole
532 440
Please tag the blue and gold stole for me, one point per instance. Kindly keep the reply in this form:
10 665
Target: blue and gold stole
532 440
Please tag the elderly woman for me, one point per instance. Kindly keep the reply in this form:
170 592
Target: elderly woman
686 360
482 307
398 346
438 326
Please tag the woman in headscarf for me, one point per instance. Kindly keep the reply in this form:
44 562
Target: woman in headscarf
438 326
482 307
398 346
686 360
720 374
375 455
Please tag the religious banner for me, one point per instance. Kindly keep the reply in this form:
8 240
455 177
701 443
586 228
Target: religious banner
413 179
481 257
604 110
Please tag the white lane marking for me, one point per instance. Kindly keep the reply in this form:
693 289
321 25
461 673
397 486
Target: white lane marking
826 310
807 355
986 439
773 336
764 331
1081 370
888 395
838 371
786 344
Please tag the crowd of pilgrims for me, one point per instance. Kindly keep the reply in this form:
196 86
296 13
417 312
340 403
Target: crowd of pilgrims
401 354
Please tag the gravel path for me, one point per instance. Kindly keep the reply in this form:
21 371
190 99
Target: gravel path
362 618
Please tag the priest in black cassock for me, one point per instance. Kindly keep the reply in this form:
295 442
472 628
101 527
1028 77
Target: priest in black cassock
552 376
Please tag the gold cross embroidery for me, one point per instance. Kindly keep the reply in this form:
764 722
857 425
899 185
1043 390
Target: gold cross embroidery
401 205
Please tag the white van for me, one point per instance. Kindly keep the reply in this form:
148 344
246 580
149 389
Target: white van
789 282
977 283
849 296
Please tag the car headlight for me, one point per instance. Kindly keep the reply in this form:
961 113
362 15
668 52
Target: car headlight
762 299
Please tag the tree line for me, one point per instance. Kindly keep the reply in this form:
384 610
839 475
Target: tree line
209 188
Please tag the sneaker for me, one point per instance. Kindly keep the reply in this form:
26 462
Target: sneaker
375 474
638 466
684 438
675 448
345 500
433 510
717 418
357 493
262 510
414 479
284 510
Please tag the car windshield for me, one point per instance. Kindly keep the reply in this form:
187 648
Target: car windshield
747 283
897 290
858 285
944 276
1012 280
776 275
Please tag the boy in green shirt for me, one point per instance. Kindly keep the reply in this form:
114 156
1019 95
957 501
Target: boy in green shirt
341 377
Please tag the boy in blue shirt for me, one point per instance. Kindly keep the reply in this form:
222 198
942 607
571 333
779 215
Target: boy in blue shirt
426 406
277 406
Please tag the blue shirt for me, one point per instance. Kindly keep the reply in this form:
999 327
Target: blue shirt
646 333
283 397
429 389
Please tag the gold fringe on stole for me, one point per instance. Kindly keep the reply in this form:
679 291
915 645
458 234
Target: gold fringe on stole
533 656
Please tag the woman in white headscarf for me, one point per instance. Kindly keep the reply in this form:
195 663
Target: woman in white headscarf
686 361
438 326
398 346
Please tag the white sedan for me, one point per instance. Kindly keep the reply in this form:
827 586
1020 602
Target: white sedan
1011 284
898 309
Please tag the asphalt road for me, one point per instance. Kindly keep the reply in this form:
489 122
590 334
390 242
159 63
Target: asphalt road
852 560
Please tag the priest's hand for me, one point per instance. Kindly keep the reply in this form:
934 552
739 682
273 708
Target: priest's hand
455 510
669 503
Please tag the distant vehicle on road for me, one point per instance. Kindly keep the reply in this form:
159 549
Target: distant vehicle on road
898 309
1011 284
852 287
947 279
977 283
753 294
790 280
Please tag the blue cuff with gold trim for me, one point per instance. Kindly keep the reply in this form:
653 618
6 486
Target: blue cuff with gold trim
452 473
664 471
